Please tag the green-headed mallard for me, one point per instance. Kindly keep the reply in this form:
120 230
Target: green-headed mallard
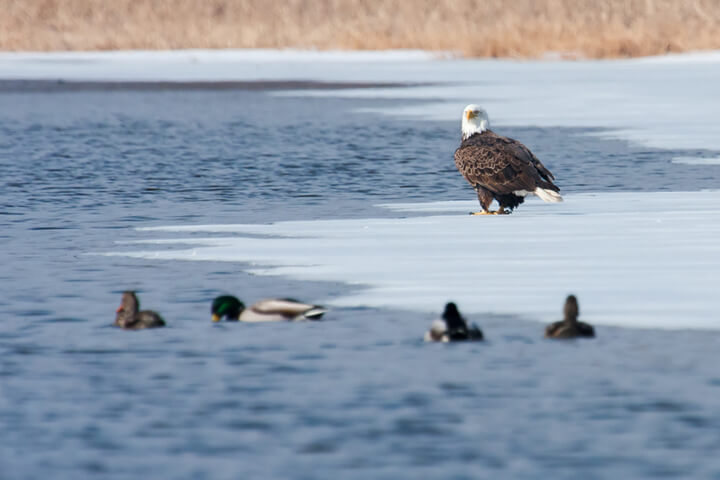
570 327
452 327
268 310
130 318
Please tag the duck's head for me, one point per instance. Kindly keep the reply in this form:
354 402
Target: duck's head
226 306
474 120
571 309
129 306
452 317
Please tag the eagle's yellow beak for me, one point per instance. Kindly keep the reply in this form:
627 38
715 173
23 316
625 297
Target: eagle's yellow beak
470 114
215 317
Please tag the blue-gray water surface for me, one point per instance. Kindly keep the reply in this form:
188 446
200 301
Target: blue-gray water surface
357 396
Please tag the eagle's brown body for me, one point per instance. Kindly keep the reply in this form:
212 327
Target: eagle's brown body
501 168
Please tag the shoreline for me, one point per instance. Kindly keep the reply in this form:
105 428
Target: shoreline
51 86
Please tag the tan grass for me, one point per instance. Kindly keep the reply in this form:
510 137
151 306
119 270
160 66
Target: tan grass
486 28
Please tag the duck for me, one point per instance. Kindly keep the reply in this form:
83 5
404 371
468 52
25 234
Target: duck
267 310
570 327
130 318
452 327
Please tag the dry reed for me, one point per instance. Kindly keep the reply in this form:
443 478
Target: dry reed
485 28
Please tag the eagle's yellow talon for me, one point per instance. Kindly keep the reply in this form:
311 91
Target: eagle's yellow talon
483 213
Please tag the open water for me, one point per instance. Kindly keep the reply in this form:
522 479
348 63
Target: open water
357 396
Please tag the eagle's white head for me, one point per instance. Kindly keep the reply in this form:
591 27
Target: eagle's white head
474 120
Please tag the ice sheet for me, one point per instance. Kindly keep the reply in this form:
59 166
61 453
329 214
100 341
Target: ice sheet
633 259
697 160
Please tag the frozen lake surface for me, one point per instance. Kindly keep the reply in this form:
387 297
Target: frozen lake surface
349 196
637 259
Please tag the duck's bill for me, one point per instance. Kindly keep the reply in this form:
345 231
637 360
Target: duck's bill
215 317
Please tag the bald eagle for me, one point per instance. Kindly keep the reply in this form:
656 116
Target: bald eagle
498 167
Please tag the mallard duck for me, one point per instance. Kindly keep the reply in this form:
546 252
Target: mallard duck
452 327
268 310
129 318
570 327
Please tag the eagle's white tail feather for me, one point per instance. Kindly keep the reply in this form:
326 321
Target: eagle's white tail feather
548 195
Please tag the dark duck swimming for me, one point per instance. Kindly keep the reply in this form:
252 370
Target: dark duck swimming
129 317
452 327
570 327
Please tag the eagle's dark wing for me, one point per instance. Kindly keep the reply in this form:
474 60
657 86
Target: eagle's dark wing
542 170
500 164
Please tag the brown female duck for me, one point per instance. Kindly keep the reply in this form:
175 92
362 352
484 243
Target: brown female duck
130 318
570 327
